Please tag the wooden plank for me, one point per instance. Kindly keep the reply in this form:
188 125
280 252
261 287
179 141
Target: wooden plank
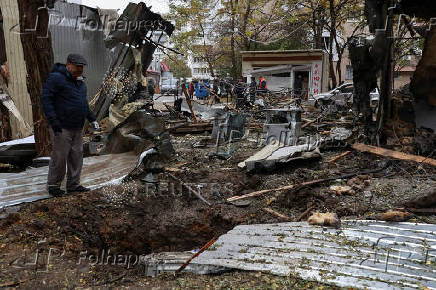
340 156
188 100
393 154
276 214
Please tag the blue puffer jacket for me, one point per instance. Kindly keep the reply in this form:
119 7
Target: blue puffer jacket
64 99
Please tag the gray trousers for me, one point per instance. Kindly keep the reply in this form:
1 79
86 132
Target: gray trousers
67 154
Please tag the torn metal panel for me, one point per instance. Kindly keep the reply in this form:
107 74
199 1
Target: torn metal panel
205 112
143 19
282 125
30 185
23 126
228 126
78 29
169 262
273 154
363 254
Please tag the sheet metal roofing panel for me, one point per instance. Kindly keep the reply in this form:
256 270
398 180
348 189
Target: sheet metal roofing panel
30 185
78 29
362 254
14 51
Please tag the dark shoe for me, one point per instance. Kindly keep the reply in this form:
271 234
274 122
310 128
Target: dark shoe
54 191
80 188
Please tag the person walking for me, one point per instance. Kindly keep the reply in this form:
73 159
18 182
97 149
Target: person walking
191 90
66 107
253 86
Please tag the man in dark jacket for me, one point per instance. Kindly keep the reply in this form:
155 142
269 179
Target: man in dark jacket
253 86
66 108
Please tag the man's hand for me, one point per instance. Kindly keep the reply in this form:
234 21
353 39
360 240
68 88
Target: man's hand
56 126
95 125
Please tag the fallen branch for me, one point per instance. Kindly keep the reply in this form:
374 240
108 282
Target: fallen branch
204 248
276 214
334 159
304 184
305 213
393 154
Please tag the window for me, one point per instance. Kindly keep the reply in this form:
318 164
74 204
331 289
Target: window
347 89
196 70
197 59
349 72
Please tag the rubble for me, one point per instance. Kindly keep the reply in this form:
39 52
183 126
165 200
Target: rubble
395 216
139 132
324 219
272 155
175 175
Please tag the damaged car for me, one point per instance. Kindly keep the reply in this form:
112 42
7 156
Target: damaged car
341 96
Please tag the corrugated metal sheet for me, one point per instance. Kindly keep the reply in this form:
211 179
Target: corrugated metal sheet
363 254
14 51
70 34
30 185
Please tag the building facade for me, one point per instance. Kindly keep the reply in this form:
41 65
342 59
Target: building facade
282 68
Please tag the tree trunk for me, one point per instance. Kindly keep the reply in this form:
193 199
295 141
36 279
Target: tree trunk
38 55
332 37
244 26
339 69
5 128
232 41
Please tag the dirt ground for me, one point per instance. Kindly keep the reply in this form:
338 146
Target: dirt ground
61 234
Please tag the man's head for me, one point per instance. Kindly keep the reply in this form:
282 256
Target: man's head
75 64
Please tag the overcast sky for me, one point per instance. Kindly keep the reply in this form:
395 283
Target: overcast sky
160 6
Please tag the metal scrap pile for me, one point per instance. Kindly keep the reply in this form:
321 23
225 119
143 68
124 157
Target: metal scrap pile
126 79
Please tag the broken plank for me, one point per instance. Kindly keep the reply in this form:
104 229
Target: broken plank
276 214
188 100
192 128
204 248
308 123
340 156
393 154
301 185
287 187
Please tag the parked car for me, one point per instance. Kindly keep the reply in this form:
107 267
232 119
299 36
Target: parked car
168 86
374 97
342 95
